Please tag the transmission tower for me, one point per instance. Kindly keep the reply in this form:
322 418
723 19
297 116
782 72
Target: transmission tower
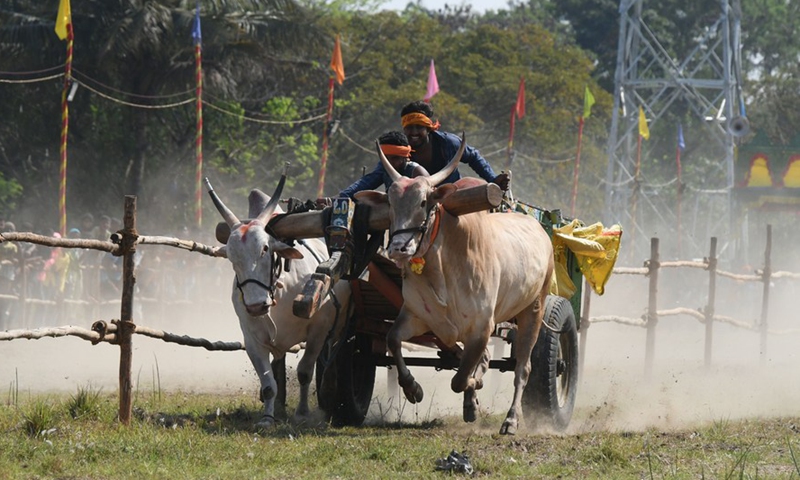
708 80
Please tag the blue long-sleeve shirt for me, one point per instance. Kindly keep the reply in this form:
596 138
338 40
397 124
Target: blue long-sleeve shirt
375 178
444 146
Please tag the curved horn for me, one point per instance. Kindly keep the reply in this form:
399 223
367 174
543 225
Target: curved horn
265 214
226 213
386 165
442 174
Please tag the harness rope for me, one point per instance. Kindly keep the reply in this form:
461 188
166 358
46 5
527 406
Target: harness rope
422 229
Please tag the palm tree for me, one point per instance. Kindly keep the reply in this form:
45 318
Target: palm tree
144 47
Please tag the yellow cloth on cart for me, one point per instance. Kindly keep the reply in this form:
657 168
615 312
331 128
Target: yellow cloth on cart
596 250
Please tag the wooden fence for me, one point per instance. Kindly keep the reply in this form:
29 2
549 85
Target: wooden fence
706 315
118 331
125 242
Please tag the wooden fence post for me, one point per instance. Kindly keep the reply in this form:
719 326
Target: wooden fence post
126 325
587 295
765 276
712 299
23 290
652 266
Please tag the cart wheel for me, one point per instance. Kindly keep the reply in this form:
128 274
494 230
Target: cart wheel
355 379
549 397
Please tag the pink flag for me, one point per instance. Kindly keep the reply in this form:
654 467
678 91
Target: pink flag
433 84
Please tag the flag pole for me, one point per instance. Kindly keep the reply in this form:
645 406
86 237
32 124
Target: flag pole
324 160
510 149
635 196
198 186
679 195
338 75
575 171
518 111
62 174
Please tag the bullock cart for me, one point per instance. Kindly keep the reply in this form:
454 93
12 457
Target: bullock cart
346 369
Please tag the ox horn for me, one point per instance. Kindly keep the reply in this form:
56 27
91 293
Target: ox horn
265 214
442 174
226 213
393 174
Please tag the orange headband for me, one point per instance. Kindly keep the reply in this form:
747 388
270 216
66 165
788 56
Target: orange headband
418 119
396 150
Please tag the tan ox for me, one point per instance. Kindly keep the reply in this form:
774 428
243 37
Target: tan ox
461 276
264 288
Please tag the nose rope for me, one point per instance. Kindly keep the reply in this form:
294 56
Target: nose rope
423 229
274 274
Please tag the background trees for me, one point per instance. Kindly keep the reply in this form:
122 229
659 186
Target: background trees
266 73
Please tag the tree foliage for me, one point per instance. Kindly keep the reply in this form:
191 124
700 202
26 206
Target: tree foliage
266 74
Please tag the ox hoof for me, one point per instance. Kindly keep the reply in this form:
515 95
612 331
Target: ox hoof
509 427
266 421
413 392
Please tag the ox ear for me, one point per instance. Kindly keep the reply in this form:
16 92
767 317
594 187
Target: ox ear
373 198
222 232
257 201
285 251
443 191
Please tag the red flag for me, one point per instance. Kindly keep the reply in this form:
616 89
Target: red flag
519 108
336 62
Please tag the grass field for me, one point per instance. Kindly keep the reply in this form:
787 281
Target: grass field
188 435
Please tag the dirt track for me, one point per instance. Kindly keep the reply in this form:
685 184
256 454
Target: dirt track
613 393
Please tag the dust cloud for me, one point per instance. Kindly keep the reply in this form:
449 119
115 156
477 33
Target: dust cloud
614 393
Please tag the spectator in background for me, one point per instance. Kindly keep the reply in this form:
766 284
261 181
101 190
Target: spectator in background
74 282
9 267
54 272
88 227
105 228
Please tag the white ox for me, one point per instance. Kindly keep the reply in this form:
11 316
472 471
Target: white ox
477 270
263 291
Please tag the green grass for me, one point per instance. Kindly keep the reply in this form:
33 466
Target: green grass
182 435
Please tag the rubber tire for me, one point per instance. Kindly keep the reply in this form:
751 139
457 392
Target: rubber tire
549 397
355 381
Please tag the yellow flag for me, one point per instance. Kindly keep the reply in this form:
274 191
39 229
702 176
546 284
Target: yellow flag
588 101
643 130
336 62
64 18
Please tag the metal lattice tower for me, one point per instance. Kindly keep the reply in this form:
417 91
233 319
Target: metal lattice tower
708 80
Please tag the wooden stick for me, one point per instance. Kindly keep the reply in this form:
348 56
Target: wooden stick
125 325
310 224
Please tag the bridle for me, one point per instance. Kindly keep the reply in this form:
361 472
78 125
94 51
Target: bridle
422 229
274 274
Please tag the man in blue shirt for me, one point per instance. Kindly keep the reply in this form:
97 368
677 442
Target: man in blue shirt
395 146
433 148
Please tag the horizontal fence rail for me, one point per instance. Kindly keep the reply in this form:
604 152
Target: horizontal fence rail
705 315
120 331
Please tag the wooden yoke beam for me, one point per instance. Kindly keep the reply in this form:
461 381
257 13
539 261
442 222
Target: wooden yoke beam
462 202
311 225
